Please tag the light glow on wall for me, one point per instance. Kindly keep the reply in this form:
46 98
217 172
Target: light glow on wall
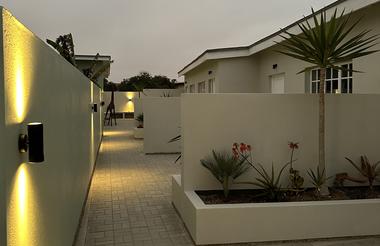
130 106
22 210
18 62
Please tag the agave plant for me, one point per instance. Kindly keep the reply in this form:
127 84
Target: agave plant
325 43
368 170
269 182
318 179
225 168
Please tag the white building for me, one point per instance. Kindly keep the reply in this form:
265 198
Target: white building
258 68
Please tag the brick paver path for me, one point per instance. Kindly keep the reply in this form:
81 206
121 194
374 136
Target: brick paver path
130 199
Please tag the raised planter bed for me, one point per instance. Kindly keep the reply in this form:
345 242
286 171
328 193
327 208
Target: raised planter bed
138 133
260 222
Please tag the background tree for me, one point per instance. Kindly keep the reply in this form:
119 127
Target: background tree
65 46
145 80
110 86
328 43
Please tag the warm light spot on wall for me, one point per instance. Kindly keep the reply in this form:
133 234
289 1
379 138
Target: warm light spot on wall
19 69
20 96
21 210
130 95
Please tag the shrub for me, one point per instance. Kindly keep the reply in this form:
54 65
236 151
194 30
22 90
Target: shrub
225 168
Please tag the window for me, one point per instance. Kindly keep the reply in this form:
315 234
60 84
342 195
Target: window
211 86
192 88
202 87
337 81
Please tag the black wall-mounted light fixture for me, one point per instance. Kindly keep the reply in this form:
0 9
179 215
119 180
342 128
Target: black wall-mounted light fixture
95 108
209 72
33 142
102 103
275 66
129 99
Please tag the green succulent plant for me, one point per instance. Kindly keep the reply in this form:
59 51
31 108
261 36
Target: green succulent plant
367 170
225 168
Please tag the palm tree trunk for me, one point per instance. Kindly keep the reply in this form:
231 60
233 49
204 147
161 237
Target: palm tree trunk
322 147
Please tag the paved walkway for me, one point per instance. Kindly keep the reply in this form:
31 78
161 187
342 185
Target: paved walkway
130 198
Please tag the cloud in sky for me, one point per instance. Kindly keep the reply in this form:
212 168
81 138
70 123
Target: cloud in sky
159 36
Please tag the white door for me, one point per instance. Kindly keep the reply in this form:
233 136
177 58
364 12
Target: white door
278 84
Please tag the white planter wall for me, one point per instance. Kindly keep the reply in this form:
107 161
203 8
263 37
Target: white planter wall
41 204
161 123
241 223
268 122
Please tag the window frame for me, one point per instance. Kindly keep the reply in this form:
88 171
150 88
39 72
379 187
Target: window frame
314 83
202 87
211 89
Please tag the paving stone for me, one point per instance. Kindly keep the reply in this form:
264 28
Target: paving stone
130 199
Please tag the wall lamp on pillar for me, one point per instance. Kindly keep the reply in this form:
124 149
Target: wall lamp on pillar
33 142
95 108
129 99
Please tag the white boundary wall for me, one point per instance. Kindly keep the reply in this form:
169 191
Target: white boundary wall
161 123
268 122
43 203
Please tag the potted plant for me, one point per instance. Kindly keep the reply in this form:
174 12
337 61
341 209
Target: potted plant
138 131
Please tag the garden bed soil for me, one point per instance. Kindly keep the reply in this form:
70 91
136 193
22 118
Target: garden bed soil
212 197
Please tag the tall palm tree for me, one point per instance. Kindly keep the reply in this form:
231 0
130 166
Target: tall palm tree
325 44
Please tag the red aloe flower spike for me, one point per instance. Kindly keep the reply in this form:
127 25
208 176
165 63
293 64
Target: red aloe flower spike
249 147
293 145
243 147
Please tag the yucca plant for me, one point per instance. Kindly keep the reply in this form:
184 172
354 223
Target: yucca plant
319 179
325 43
225 168
269 182
368 170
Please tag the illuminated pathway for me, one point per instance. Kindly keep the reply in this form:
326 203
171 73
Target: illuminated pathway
130 194
130 198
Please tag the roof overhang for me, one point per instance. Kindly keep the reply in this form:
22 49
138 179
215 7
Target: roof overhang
269 41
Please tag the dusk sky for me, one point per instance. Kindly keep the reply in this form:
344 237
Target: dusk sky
158 36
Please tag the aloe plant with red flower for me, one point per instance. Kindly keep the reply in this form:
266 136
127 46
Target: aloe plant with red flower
296 180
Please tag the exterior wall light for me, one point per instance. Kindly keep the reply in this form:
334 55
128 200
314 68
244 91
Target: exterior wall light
95 108
129 99
275 66
33 143
102 103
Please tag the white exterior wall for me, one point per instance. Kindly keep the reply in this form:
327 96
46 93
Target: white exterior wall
43 202
201 74
3 215
161 123
239 75
269 128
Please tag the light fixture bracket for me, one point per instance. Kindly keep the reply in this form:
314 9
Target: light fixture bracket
23 143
